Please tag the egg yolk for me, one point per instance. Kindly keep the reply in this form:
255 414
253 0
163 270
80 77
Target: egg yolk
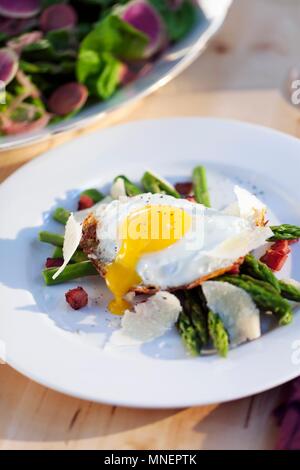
146 230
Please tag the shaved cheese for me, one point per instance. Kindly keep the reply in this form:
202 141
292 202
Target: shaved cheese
118 189
235 308
81 215
250 206
239 246
72 239
148 320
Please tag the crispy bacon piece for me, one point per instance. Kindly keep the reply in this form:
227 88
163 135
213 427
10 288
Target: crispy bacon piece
276 255
85 202
54 262
184 189
77 298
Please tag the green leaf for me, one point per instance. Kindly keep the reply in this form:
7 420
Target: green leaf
88 63
178 22
117 37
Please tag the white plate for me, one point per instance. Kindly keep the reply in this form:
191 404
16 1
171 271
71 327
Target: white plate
172 62
64 349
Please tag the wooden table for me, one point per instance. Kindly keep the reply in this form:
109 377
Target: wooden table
239 76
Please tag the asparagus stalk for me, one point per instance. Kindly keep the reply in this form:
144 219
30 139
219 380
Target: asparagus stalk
289 291
200 186
266 300
71 272
188 334
218 334
94 194
192 324
285 232
259 270
131 188
61 215
51 238
154 184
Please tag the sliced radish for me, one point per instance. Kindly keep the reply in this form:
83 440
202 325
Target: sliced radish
17 127
19 8
58 17
68 98
14 26
9 64
141 15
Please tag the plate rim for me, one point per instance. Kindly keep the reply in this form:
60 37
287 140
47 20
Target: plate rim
47 156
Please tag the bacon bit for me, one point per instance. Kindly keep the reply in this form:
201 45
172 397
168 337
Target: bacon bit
184 189
190 198
276 256
77 298
85 202
54 262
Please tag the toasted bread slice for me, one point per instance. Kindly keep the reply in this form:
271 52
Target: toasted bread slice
89 245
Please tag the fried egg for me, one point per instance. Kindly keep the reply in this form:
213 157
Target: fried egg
159 241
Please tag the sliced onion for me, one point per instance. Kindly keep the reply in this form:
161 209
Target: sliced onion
19 8
9 64
20 42
68 98
141 15
58 17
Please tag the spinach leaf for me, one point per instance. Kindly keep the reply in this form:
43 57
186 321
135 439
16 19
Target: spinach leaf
116 36
178 22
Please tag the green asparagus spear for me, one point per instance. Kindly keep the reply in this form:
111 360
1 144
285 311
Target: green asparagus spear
192 323
189 335
289 291
58 252
197 314
93 194
131 188
218 334
61 215
265 299
51 238
259 283
285 232
259 270
155 184
71 272
200 186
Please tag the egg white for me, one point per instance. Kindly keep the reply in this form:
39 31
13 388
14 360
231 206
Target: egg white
216 241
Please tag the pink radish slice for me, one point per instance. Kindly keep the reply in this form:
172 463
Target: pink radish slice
58 17
19 8
68 98
19 43
15 26
141 15
11 127
9 65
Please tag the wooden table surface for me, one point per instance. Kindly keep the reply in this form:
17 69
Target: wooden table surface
239 76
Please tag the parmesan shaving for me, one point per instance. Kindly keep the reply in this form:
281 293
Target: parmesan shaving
148 320
236 309
72 239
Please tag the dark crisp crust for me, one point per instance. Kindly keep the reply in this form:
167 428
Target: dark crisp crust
89 244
